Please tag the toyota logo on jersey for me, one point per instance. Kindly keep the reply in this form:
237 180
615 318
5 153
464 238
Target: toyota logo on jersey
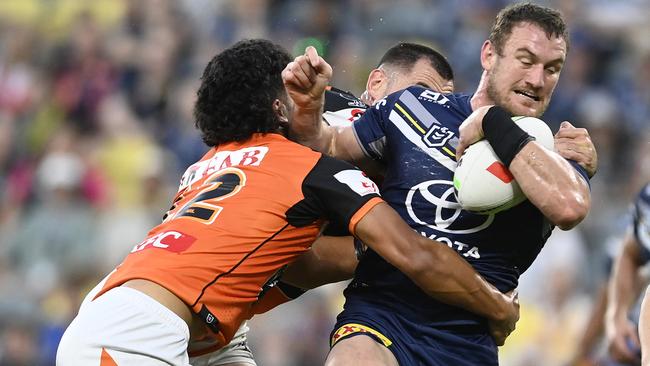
447 212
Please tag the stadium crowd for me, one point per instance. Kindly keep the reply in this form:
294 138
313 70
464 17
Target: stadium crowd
96 125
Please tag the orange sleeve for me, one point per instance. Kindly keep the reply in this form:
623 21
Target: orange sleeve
354 220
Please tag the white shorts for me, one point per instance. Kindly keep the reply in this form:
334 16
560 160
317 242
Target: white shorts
124 327
236 351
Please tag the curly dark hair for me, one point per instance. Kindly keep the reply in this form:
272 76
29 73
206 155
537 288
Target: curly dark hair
237 91
550 20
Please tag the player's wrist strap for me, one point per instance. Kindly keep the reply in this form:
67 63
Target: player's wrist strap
505 137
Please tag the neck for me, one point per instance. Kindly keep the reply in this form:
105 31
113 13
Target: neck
480 97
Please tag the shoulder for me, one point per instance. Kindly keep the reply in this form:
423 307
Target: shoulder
431 99
342 107
337 99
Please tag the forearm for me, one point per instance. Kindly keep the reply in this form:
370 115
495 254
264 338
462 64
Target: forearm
433 266
644 329
595 324
307 128
552 185
623 285
546 178
331 259
450 279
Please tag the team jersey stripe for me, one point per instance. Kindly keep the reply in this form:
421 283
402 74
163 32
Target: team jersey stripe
411 102
413 121
416 139
415 112
237 265
362 212
448 151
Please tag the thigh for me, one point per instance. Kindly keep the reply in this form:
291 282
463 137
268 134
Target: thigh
360 350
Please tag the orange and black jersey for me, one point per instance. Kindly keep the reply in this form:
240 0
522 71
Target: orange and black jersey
242 213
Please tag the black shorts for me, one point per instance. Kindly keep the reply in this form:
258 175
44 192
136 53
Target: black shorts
414 343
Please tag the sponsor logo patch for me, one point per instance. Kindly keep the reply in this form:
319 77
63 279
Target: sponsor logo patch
172 241
357 181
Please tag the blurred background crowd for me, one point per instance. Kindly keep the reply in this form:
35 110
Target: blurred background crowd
96 128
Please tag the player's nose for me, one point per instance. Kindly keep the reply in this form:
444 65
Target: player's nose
535 76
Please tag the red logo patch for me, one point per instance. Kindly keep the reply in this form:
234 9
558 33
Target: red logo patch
172 241
500 171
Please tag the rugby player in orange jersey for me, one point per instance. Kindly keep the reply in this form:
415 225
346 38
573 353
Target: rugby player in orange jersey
250 206
335 259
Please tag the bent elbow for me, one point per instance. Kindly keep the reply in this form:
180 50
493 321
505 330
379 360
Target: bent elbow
571 215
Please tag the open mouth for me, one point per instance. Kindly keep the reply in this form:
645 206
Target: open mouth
528 95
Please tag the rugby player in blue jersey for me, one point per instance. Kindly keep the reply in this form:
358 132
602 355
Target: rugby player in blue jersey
621 330
416 133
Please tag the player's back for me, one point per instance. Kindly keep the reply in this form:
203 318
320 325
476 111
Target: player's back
228 231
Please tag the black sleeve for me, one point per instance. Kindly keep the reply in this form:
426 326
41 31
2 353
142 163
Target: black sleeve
337 99
333 190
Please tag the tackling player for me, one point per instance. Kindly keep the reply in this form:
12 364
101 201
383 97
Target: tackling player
417 133
624 288
250 206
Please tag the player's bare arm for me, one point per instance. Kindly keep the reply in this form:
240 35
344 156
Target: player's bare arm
547 179
330 259
437 269
644 329
305 80
623 290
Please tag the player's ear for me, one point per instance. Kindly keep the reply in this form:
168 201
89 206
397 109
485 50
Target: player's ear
281 111
488 55
376 86
447 87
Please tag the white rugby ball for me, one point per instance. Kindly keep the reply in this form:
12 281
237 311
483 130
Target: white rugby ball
483 184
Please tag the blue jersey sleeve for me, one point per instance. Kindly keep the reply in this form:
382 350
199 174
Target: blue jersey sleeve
641 222
370 129
582 171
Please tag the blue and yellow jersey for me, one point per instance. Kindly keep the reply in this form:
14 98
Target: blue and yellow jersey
414 132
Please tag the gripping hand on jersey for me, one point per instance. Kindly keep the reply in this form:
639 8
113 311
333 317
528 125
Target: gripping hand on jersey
501 329
575 144
306 78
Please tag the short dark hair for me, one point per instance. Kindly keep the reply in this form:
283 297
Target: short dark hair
405 55
237 91
550 20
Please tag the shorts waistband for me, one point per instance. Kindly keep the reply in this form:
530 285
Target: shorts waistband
148 304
